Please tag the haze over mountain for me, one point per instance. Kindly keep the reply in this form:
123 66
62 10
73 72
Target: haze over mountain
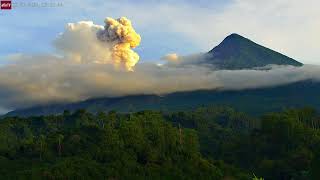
254 102
234 53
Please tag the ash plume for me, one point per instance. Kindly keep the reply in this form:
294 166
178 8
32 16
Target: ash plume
122 37
85 42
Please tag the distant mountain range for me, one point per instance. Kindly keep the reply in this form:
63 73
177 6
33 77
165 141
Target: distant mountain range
235 52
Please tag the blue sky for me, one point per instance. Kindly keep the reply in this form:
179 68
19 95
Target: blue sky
181 26
31 30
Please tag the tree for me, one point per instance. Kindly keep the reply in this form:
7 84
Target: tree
102 117
60 138
42 145
112 118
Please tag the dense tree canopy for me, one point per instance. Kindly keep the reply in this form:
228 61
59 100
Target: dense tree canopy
206 143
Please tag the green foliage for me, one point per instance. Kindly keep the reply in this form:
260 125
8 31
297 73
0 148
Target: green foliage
256 178
103 146
276 146
205 143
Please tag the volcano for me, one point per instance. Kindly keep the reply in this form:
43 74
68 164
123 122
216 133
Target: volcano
237 52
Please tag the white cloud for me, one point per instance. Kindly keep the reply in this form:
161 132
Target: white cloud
3 111
288 26
48 79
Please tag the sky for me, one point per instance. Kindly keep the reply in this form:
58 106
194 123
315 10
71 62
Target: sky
53 51
181 26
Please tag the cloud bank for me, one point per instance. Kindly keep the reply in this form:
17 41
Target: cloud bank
87 68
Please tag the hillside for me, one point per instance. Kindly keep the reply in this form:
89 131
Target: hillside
254 101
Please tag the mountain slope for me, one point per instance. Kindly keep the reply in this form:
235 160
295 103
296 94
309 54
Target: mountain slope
254 102
237 52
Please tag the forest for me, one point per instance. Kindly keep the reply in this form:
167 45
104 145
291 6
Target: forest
209 142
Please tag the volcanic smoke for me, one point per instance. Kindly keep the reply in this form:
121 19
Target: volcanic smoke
122 37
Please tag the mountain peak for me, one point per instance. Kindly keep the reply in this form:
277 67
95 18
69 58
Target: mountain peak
232 41
234 36
238 52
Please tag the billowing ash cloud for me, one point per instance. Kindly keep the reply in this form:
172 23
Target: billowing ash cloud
123 37
90 66
85 42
